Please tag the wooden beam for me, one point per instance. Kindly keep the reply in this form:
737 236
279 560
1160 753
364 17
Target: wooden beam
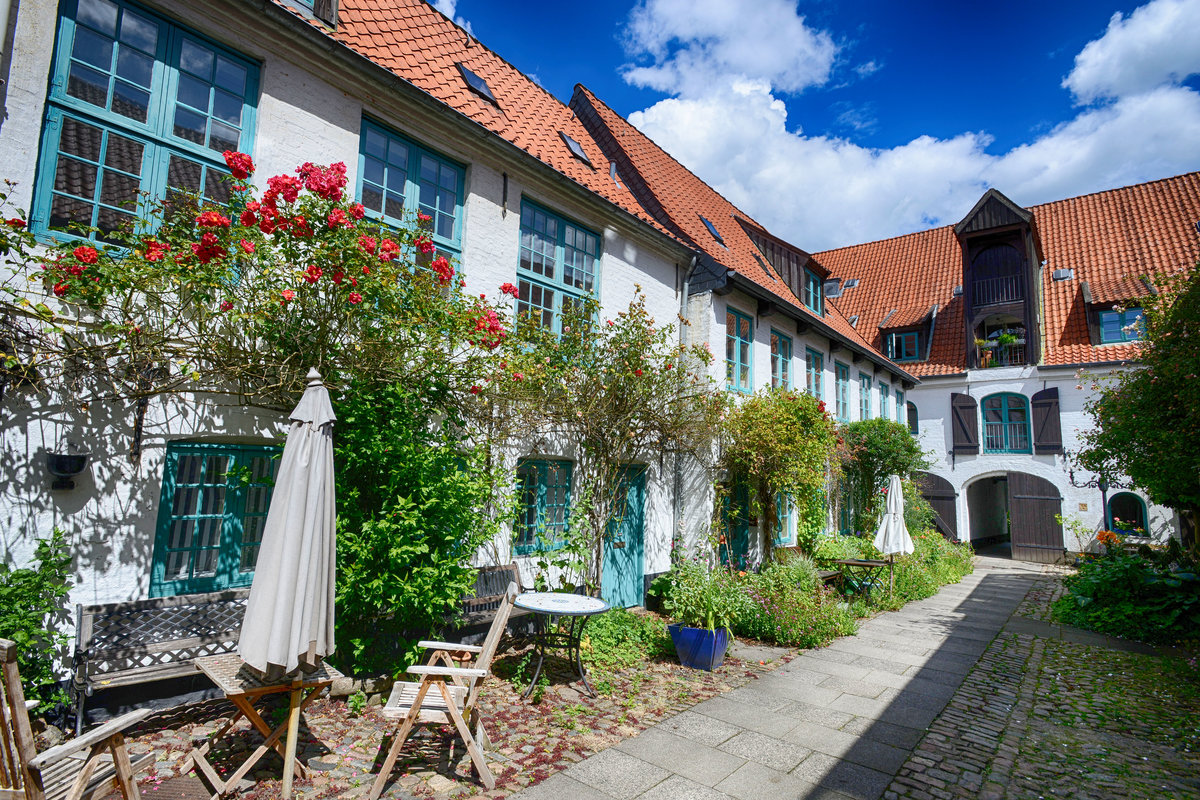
802 326
766 308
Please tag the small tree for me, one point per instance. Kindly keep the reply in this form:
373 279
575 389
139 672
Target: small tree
781 442
1148 419
874 450
620 392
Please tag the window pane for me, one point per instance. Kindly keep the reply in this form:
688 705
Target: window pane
139 32
75 177
80 139
196 59
231 76
129 101
189 125
88 85
92 48
135 67
66 212
99 14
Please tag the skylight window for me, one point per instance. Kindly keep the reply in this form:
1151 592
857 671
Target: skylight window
712 229
850 283
477 84
576 149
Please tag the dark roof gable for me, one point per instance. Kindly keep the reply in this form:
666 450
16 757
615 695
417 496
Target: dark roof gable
993 210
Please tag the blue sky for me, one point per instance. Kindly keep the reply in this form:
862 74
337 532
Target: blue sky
834 123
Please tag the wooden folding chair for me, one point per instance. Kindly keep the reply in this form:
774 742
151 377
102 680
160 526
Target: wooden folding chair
92 765
448 694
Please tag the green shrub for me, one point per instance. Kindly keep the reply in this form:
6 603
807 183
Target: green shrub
620 639
834 547
701 597
411 513
30 599
876 448
785 614
1133 596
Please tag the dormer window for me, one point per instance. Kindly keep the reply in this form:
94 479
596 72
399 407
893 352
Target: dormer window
814 295
1121 326
477 84
712 229
904 345
576 149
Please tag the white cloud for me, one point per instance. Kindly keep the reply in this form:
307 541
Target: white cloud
690 44
1156 45
821 191
448 7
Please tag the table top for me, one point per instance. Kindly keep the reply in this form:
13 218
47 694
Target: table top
234 676
861 562
561 603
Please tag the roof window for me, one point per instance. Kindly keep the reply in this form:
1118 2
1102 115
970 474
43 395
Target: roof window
1063 274
850 283
576 149
853 321
477 84
712 229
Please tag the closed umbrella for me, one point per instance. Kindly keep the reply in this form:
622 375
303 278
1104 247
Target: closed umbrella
289 614
892 536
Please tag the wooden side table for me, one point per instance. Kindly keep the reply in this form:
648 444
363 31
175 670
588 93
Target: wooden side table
244 687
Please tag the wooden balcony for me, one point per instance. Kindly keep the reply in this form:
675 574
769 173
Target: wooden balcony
995 291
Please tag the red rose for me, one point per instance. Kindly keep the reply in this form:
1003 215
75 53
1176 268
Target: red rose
388 250
284 186
212 219
327 182
367 243
357 211
226 305
15 222
424 244
355 298
337 277
60 288
509 289
247 246
474 390
287 295
247 218
87 255
444 271
637 372
239 164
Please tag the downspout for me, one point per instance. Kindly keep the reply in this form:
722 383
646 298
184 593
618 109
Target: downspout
683 299
5 56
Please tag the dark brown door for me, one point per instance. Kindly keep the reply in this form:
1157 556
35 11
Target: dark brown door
1033 503
940 495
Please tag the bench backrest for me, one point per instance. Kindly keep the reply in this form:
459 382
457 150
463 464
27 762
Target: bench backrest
115 637
490 587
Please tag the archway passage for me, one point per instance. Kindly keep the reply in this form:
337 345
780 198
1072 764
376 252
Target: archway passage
942 498
987 511
1035 506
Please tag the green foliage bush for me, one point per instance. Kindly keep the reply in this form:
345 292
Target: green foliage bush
875 449
411 514
30 600
702 597
620 639
785 604
1135 596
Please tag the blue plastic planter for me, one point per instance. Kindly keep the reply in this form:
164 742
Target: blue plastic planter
699 648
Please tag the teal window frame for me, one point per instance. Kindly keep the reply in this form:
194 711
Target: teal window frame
781 360
407 176
739 351
785 514
558 265
904 345
235 501
900 407
864 396
111 158
885 400
814 372
913 423
841 391
1113 326
1006 423
814 292
544 512
1111 519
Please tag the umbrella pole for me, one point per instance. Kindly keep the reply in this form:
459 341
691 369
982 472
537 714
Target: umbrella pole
891 574
289 760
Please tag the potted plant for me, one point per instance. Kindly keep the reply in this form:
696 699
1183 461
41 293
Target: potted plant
1005 339
704 601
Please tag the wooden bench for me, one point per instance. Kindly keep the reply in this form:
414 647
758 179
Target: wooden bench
826 576
122 644
480 608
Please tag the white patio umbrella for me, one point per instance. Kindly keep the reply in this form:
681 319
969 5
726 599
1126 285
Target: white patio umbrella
892 536
289 615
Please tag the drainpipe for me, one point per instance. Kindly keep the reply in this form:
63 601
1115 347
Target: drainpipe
683 299
5 14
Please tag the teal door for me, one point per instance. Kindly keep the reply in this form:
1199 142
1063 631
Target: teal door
621 581
734 543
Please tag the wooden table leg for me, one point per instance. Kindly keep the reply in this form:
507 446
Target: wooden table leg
293 729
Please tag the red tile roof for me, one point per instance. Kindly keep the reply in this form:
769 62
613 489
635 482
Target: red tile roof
421 46
681 201
905 317
418 44
1110 239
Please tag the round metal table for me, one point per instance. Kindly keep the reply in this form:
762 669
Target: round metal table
547 606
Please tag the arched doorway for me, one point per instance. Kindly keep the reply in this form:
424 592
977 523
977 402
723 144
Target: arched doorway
1016 513
1127 513
942 498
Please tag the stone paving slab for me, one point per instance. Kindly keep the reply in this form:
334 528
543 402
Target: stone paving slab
700 763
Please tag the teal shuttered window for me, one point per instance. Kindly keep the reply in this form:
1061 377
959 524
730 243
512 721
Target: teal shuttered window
544 514
841 388
1006 424
864 396
739 348
211 516
397 176
558 268
781 360
136 105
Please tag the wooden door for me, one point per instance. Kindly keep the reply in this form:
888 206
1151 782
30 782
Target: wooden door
1033 503
940 495
621 581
